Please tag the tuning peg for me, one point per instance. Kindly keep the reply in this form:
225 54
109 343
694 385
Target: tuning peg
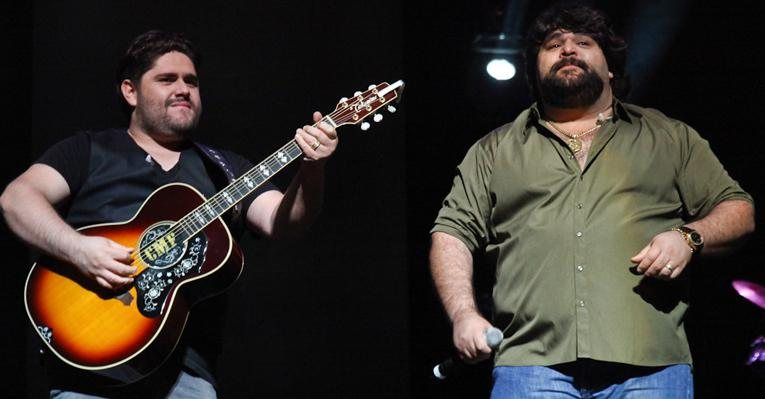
371 87
343 99
365 126
377 117
358 93
391 109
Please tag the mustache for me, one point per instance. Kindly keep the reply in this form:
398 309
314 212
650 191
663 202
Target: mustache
569 61
173 101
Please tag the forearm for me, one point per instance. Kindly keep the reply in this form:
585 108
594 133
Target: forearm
31 217
726 227
302 201
451 266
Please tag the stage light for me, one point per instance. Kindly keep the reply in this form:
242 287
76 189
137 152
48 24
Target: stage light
502 39
500 69
501 51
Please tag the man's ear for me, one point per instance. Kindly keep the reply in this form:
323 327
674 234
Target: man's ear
129 92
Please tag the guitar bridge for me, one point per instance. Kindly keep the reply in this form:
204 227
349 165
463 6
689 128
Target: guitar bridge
125 298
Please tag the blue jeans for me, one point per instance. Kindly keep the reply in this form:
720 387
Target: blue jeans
187 386
592 379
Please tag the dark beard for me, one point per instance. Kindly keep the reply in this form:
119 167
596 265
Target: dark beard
164 125
580 91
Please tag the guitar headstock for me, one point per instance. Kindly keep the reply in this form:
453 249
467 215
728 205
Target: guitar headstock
352 111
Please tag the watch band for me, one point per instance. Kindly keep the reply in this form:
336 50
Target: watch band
691 237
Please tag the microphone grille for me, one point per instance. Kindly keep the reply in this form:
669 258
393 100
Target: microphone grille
494 337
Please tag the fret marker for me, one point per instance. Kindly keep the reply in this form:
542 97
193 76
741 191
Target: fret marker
228 198
281 156
264 170
248 182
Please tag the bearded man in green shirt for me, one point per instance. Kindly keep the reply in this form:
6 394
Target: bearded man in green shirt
592 210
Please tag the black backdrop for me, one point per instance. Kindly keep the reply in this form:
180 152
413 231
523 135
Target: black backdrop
349 310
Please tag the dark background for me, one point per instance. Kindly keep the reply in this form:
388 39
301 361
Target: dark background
349 310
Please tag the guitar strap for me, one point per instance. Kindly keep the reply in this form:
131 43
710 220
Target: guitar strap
219 160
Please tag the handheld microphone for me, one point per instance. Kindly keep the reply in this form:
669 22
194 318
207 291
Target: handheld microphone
453 364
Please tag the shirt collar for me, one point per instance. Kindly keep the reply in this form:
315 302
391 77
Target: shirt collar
620 113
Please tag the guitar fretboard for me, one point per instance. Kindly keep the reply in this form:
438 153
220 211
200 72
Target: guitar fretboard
350 111
218 204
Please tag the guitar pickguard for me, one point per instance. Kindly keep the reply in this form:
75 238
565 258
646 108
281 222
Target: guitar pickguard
154 283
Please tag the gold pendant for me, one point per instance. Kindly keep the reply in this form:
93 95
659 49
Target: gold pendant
574 144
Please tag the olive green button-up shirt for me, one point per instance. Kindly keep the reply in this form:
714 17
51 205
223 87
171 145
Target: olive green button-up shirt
561 236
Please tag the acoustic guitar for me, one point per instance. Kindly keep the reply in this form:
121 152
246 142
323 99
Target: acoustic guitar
184 253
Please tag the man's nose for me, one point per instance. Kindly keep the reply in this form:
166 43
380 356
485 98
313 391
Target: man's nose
568 49
180 88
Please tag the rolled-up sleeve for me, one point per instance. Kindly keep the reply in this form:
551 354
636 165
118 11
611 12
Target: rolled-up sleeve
703 181
466 209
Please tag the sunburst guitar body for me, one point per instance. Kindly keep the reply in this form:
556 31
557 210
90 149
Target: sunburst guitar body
126 335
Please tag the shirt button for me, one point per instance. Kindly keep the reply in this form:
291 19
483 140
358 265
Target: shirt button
580 268
581 304
578 206
579 234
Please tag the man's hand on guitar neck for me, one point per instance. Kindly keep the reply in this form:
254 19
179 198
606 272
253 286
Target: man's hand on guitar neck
317 142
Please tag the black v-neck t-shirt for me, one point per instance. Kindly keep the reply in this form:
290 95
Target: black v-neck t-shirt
109 177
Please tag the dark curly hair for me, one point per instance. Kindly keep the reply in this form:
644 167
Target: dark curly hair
579 18
144 51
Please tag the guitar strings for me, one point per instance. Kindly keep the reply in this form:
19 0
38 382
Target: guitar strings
273 164
270 163
186 223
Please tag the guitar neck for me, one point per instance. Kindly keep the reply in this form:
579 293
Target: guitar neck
348 111
239 188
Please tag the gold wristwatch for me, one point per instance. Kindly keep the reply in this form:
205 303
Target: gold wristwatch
691 236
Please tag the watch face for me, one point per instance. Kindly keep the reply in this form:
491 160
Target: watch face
696 238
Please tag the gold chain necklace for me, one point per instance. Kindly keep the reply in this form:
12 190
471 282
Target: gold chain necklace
574 142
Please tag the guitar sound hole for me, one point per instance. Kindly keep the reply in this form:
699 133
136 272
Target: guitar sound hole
159 248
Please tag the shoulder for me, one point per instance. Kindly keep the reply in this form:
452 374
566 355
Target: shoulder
78 143
660 124
84 139
114 137
653 116
509 132
72 156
